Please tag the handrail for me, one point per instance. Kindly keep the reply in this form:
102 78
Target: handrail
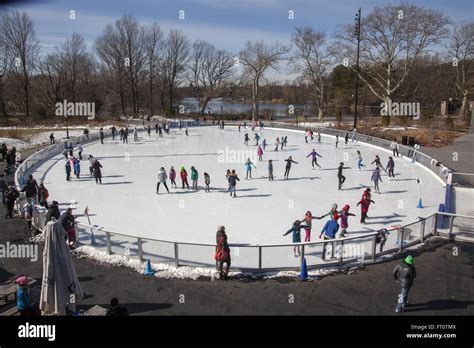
456 215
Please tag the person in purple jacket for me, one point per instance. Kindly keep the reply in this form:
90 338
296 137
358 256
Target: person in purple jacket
314 155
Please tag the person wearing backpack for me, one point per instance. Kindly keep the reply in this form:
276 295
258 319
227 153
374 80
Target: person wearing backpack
222 255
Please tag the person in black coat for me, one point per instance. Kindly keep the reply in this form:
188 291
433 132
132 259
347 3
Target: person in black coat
404 273
222 253
53 211
116 310
10 197
30 190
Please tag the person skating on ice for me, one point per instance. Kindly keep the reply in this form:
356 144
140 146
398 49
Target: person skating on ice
97 171
91 159
248 168
260 154
277 143
314 158
264 144
319 137
233 178
341 178
149 130
333 213
184 177
162 176
67 167
256 138
246 139
364 208
329 231
360 161
135 134
194 177
270 170
288 161
337 139
346 138
378 163
376 178
296 231
308 220
172 176
390 168
395 148
207 182
227 175
344 215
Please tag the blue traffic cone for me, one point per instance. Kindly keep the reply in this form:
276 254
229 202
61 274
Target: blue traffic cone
304 270
148 269
420 204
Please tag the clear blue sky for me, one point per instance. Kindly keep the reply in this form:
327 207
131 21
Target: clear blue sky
225 23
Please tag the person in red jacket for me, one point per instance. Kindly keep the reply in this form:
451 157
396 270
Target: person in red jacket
364 208
344 220
184 177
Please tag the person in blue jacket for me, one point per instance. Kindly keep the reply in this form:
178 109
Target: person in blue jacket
296 230
248 166
329 230
314 155
77 168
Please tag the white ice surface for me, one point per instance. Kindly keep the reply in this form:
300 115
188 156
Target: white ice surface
127 202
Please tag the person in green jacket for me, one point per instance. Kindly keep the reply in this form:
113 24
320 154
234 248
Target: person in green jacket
296 231
194 177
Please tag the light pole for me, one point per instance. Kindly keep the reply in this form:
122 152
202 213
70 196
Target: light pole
357 33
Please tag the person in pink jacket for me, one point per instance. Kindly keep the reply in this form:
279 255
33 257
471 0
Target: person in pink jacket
308 219
172 176
344 220
260 153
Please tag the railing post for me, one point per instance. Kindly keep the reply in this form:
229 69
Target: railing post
402 232
451 222
176 255
374 247
108 243
435 227
140 249
422 231
341 253
259 258
302 255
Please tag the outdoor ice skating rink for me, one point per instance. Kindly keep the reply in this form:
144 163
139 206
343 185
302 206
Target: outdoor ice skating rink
264 210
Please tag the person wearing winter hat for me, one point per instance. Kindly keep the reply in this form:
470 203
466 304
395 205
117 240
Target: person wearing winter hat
222 254
23 299
162 176
344 220
404 273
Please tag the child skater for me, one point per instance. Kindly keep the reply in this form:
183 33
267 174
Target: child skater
172 176
376 178
364 208
344 220
207 182
248 167
260 153
360 161
270 170
308 220
296 230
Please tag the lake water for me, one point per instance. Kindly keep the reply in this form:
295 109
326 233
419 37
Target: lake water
220 106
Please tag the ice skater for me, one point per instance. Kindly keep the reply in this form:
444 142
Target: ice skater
246 139
376 178
308 220
260 154
341 178
233 178
79 150
97 171
149 130
337 139
288 161
256 138
360 161
172 176
248 168
101 133
194 177
277 143
162 176
296 231
264 144
314 160
207 182
319 138
346 138
390 168
364 208
184 177
68 170
270 170
329 231
344 220
77 168
333 213
135 134
227 177
186 130
378 163
395 148
91 159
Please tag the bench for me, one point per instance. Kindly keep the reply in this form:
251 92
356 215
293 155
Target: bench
11 312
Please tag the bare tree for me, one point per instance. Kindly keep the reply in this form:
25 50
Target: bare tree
257 57
313 60
210 71
6 65
461 54
392 38
21 39
53 74
173 64
109 50
153 43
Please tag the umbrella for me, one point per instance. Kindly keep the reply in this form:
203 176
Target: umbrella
60 285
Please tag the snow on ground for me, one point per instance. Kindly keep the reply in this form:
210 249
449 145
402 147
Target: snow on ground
127 202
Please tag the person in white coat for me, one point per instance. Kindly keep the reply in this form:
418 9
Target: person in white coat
162 176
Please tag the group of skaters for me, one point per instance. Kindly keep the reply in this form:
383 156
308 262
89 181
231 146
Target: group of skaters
73 163
254 125
163 177
331 227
